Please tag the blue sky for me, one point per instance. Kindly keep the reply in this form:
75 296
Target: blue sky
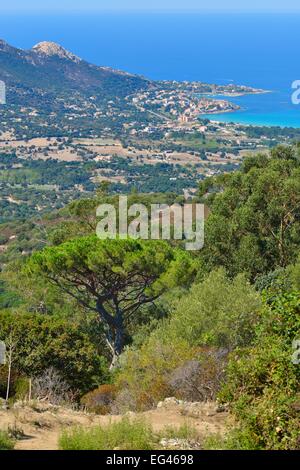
168 5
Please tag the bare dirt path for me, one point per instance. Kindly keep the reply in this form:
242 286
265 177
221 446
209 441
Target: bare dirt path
39 427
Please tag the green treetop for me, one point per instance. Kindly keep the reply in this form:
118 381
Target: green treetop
115 278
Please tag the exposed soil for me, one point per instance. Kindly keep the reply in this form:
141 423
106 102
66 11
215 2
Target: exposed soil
39 426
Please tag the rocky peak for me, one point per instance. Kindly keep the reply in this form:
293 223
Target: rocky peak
4 46
51 49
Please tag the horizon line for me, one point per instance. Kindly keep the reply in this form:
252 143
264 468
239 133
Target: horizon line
148 10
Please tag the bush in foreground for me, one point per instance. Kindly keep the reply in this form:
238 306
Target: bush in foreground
100 400
123 435
237 439
263 383
185 356
6 443
126 434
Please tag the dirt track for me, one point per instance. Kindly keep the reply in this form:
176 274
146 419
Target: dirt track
42 425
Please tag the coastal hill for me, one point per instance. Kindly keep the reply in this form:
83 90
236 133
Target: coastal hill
50 78
48 72
51 92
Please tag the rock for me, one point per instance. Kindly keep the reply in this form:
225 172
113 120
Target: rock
296 406
51 49
220 409
18 405
179 444
224 408
169 402
3 404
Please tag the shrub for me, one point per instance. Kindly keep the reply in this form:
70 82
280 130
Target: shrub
6 443
262 382
100 400
201 379
186 431
294 272
124 435
52 387
275 281
22 388
124 402
145 373
217 314
44 340
237 439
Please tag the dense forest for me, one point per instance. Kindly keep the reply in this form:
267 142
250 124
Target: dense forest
119 325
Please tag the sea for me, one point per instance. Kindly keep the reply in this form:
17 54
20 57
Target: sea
259 50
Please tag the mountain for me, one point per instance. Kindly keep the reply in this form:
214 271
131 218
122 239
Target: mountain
48 73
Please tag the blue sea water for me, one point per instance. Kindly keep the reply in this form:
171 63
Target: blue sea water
259 50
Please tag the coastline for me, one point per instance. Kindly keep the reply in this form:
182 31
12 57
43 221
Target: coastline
238 94
224 111
232 107
249 112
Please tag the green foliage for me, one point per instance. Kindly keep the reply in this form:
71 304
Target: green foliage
275 281
117 257
175 317
7 298
186 432
145 373
124 435
294 273
100 400
114 278
43 341
37 296
22 388
217 312
263 383
254 225
6 443
237 439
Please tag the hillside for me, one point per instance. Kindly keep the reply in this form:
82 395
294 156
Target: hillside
116 327
51 92
48 72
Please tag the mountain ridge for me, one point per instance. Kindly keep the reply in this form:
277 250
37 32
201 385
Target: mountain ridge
49 67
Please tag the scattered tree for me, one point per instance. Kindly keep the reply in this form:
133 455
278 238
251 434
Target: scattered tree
114 278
